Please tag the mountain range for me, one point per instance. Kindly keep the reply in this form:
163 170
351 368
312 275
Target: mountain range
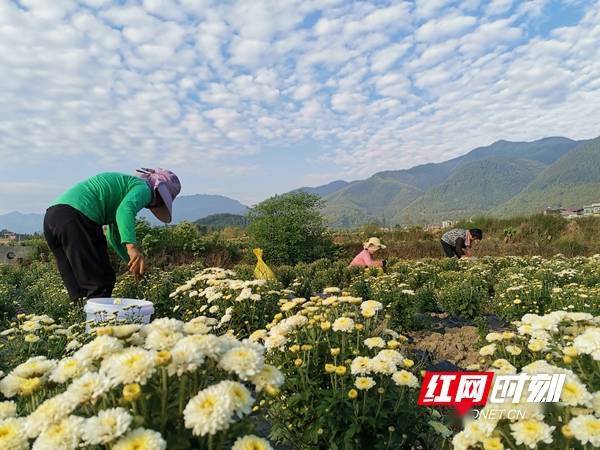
505 178
502 179
185 207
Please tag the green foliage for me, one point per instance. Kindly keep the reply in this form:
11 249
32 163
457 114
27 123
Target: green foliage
462 295
289 228
222 220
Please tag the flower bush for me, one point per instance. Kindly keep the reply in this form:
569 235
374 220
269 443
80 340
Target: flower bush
348 382
134 386
226 302
556 343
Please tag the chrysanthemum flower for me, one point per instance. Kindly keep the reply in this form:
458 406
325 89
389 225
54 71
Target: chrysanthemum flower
12 435
374 342
251 442
67 369
364 383
49 412
8 409
344 324
268 376
361 365
132 365
586 428
245 360
107 426
63 435
405 378
530 432
210 411
141 439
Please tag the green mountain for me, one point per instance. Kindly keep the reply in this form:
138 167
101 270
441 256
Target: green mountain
473 187
223 220
573 180
325 189
477 182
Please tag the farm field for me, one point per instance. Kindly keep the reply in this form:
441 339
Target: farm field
325 357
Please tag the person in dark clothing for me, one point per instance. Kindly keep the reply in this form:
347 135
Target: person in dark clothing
73 226
458 242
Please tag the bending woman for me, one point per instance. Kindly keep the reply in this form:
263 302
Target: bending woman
73 226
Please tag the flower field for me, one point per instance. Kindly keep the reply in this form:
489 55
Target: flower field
321 359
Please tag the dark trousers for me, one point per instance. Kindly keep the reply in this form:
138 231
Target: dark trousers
449 250
81 252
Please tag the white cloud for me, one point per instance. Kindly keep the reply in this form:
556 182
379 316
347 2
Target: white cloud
445 27
371 86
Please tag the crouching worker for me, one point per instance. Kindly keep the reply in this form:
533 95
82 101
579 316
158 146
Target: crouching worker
365 257
458 242
73 226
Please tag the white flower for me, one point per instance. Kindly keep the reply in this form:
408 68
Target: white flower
209 412
361 365
186 356
586 428
63 435
12 435
132 365
364 383
89 387
97 349
371 305
589 343
160 338
107 426
405 378
240 396
344 324
530 432
8 409
49 412
38 366
268 376
141 439
246 360
487 350
251 442
67 369
374 342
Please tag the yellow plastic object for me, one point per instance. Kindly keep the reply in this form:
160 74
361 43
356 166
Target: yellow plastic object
262 271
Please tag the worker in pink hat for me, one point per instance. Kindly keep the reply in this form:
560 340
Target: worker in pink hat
73 226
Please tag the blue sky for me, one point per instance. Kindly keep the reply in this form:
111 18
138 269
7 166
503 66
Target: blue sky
249 98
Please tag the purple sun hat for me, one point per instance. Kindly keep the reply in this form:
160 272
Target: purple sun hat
166 184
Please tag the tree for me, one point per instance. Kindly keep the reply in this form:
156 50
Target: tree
290 228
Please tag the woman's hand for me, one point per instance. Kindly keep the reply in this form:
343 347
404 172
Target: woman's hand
137 265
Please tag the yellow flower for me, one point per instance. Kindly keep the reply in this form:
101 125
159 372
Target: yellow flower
29 386
329 368
352 394
508 335
31 338
163 358
359 327
306 347
567 359
271 390
408 363
570 351
566 431
131 392
535 345
334 351
513 350
340 370
104 331
294 348
492 443
393 344
325 326
298 362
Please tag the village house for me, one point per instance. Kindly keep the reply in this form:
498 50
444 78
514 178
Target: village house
592 209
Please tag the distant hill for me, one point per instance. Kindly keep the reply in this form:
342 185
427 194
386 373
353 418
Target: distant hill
22 223
573 180
194 207
223 220
325 189
473 183
185 207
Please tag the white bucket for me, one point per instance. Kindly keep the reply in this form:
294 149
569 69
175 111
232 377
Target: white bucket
128 310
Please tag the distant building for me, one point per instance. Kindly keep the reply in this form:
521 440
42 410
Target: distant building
8 238
433 227
571 213
448 223
591 210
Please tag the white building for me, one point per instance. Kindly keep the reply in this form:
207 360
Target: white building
592 209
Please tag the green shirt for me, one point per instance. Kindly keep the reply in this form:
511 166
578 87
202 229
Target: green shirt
112 199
